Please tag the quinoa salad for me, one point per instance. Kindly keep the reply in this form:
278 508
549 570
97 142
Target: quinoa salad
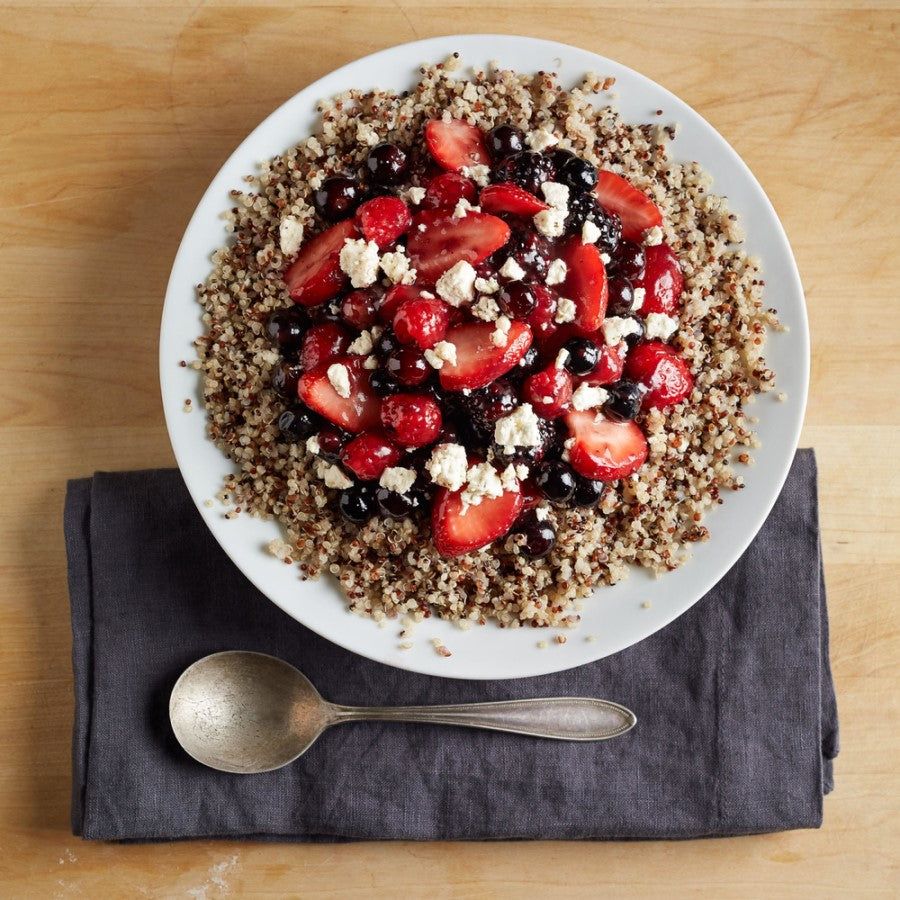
480 346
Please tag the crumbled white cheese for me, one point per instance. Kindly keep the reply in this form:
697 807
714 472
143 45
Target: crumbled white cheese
457 285
550 222
396 266
290 235
359 259
363 345
556 194
442 352
509 478
605 258
660 326
617 328
556 274
413 195
541 513
590 233
499 335
480 174
519 429
541 139
640 294
485 309
366 134
482 481
487 285
588 396
312 445
512 270
561 358
462 207
422 227
339 376
332 475
448 466
565 311
397 478
370 362
521 471
653 236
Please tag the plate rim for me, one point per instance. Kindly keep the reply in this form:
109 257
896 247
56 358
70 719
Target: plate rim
434 49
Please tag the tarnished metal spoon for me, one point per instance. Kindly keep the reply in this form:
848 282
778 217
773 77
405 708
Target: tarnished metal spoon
248 712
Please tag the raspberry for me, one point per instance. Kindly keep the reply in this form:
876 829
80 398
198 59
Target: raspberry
422 322
549 391
369 454
412 420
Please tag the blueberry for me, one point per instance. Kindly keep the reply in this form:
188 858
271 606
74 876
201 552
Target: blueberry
337 198
579 175
556 481
331 442
383 384
357 504
540 537
560 157
394 505
285 378
588 493
298 423
517 300
387 343
628 260
584 355
624 398
387 164
286 328
621 296
504 140
527 365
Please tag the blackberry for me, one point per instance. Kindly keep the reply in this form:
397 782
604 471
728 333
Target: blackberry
527 455
528 169
490 403
585 208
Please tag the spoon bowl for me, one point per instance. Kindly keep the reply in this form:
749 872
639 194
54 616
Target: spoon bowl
246 713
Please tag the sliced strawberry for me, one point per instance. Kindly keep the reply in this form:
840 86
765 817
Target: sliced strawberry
322 343
507 197
369 454
456 144
360 411
383 220
445 241
611 364
662 371
422 321
548 391
636 210
392 300
458 530
604 449
445 191
585 283
316 276
662 281
478 360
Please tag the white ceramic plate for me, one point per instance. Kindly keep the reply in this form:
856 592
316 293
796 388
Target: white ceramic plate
616 616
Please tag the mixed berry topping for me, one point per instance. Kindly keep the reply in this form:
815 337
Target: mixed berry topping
476 334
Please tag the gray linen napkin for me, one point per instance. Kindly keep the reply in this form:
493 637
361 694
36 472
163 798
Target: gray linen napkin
735 703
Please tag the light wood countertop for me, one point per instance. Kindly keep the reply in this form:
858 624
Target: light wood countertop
113 119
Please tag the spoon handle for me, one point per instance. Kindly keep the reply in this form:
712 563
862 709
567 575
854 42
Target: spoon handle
562 718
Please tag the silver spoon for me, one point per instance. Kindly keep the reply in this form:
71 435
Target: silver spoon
248 712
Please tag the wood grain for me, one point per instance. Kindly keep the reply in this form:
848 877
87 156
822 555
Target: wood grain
112 121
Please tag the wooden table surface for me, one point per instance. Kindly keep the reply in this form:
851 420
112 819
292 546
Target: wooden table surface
112 121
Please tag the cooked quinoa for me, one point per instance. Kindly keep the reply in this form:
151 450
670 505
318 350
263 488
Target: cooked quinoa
389 568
